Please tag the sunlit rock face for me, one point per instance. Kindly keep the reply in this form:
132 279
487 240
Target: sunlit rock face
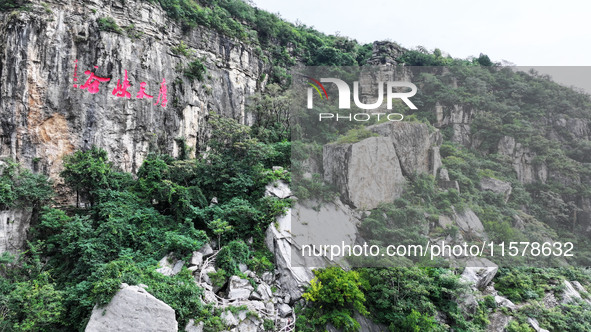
47 52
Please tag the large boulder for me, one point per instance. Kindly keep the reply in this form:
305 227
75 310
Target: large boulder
524 161
278 189
496 186
169 265
479 272
239 288
284 310
469 223
416 145
366 173
133 309
14 225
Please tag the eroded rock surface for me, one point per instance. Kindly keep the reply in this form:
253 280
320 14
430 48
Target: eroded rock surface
133 309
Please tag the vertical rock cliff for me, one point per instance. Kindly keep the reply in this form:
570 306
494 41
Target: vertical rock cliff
45 117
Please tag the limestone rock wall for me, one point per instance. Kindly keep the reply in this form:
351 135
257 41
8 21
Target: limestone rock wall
373 170
14 225
43 116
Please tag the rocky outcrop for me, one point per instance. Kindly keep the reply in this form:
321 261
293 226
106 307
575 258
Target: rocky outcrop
293 273
524 161
385 53
469 223
572 292
133 309
496 186
367 173
14 225
498 321
372 171
44 116
416 145
479 272
459 119
444 182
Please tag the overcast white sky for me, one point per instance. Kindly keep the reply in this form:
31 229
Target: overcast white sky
522 32
526 33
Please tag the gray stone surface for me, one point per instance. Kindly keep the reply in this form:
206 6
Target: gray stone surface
206 250
502 301
196 259
249 325
497 186
498 322
523 160
133 309
535 325
191 327
14 225
469 223
170 266
228 318
413 143
284 310
43 116
204 275
265 291
569 293
444 221
479 272
278 189
239 288
290 273
366 173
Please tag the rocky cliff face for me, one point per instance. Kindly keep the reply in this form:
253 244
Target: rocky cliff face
373 170
14 225
44 117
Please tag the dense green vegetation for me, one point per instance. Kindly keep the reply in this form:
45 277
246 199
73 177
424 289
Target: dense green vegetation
78 258
283 43
109 24
6 5
20 187
338 294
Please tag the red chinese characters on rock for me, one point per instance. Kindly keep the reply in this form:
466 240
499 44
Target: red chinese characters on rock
76 74
121 90
162 94
93 81
142 93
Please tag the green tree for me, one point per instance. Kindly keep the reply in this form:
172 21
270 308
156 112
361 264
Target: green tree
21 187
336 294
219 227
87 171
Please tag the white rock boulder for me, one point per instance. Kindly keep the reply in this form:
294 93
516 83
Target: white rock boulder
133 309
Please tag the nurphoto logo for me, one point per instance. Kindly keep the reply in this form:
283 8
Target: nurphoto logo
344 99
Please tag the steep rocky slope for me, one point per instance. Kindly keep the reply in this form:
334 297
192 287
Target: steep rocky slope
44 117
